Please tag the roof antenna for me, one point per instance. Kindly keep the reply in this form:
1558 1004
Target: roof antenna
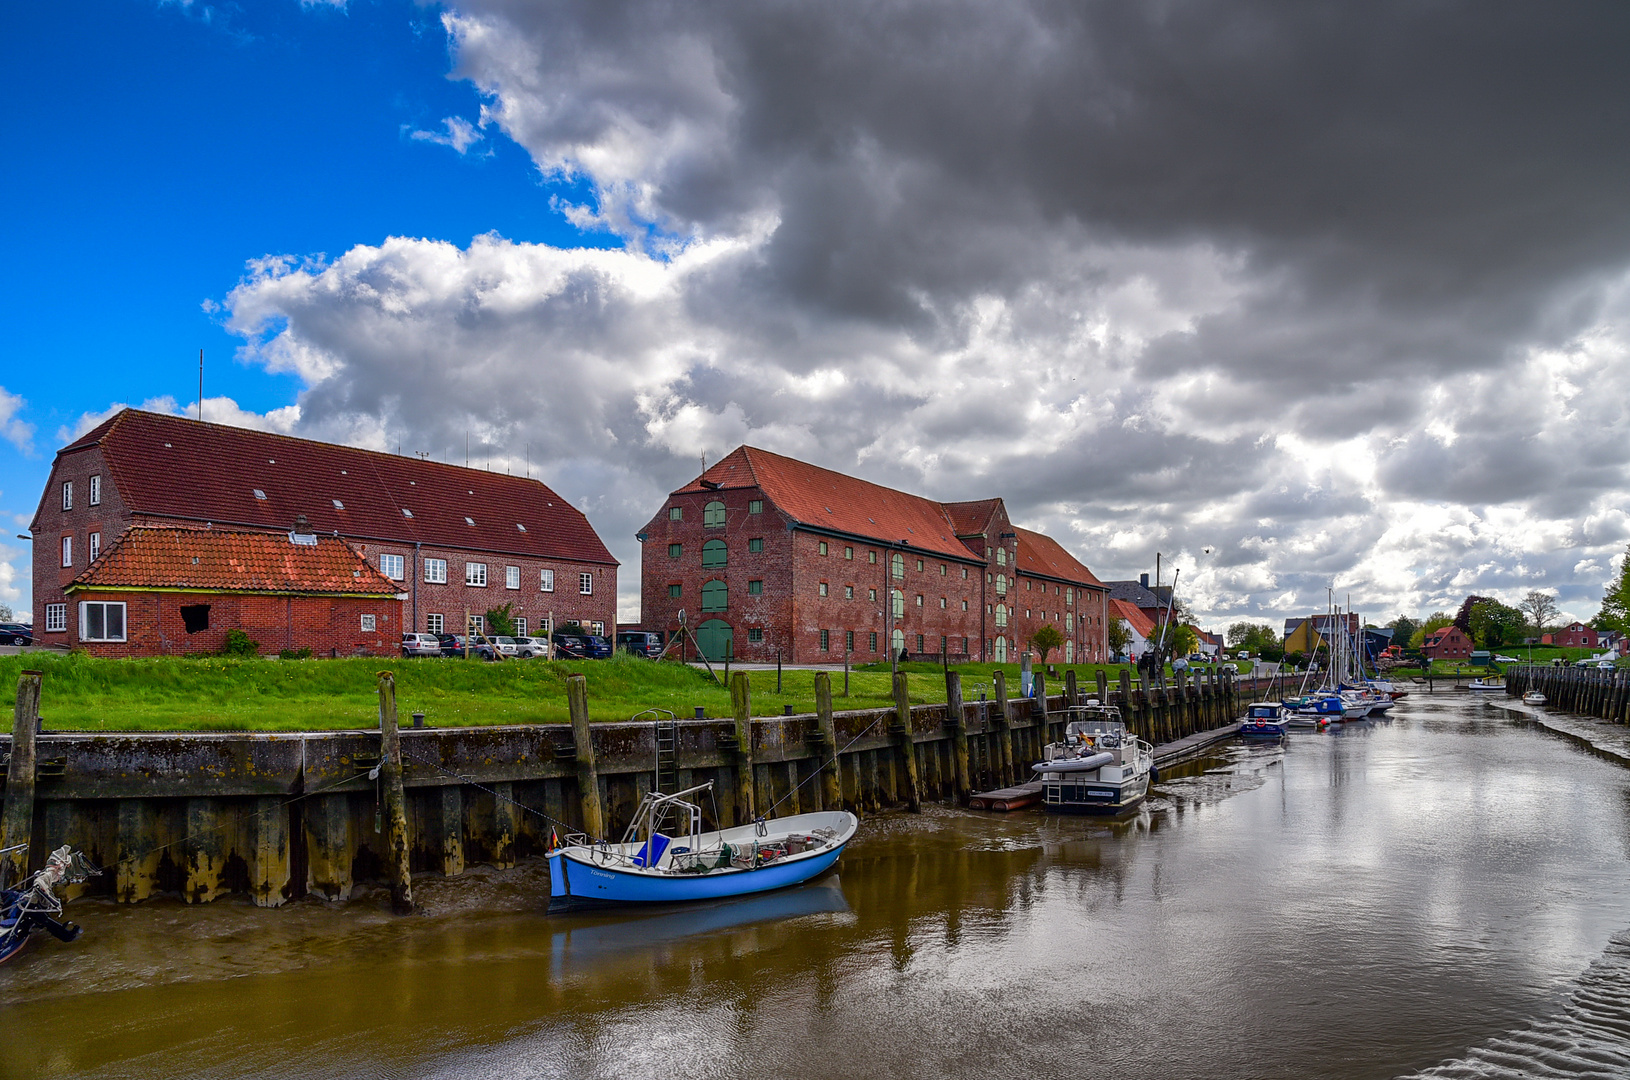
200 385
704 461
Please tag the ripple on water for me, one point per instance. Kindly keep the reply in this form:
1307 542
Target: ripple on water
1588 1038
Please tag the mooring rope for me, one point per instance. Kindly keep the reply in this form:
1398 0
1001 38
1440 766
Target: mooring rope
835 755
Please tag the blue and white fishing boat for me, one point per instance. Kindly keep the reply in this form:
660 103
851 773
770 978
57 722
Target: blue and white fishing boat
34 904
1264 720
666 858
1314 710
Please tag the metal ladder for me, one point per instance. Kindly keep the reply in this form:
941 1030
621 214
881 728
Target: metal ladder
667 736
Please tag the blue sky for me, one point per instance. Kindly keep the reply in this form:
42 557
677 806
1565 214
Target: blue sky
1297 297
155 148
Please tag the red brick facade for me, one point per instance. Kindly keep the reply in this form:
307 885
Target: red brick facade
759 581
327 625
385 504
1450 643
1577 636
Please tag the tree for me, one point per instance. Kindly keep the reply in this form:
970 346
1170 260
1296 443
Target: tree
1255 637
1435 621
1494 624
1403 630
1182 639
1117 635
6 614
1046 639
1541 609
1615 613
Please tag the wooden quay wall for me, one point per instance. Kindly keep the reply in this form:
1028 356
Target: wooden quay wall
1585 691
280 816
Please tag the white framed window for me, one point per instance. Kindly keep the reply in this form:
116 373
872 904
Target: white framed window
393 567
369 624
101 621
512 577
520 625
433 623
67 551
478 625
56 618
475 573
435 571
546 581
67 494
597 628
585 584
95 546
96 491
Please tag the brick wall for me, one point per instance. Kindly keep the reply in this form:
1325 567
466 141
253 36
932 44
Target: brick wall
325 625
52 524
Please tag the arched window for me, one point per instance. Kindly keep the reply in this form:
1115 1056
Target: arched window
1001 584
714 554
897 566
1001 650
1069 652
899 640
1001 613
715 596
713 515
898 599
1001 556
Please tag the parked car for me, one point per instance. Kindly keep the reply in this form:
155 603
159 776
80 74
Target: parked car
503 643
16 633
645 643
453 645
532 647
1501 658
581 647
421 645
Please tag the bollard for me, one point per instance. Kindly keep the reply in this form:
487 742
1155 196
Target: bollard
908 745
390 775
17 819
741 703
588 775
831 780
959 733
418 721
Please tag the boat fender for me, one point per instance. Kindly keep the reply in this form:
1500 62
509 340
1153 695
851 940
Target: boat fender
1154 775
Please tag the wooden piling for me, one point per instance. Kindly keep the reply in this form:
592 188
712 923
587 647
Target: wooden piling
1071 689
831 780
1003 758
1039 716
269 883
206 842
1126 704
959 735
397 869
452 831
588 776
907 744
741 704
17 819
1103 686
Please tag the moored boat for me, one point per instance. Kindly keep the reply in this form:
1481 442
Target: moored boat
1485 685
1099 768
654 866
34 904
1264 720
1533 697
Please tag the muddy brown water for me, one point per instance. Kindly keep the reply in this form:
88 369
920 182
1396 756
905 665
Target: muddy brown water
1439 892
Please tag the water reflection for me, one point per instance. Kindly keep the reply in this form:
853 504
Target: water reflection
1357 903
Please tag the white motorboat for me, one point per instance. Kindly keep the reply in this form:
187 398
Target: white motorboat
1099 768
1533 697
1488 685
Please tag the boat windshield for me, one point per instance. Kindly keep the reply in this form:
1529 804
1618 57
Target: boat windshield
1100 733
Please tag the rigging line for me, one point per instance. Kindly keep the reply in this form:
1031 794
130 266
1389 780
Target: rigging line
501 798
817 772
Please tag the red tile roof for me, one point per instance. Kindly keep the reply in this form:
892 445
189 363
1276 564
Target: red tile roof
169 466
972 518
228 560
1044 556
824 499
1134 616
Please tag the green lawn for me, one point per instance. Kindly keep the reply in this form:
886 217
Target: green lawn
82 693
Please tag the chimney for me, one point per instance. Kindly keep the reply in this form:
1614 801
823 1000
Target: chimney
302 526
1143 579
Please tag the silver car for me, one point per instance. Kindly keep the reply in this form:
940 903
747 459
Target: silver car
531 647
421 645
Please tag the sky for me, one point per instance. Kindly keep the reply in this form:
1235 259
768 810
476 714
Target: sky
1301 297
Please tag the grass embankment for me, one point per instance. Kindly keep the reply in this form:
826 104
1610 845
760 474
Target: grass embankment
83 693
1444 669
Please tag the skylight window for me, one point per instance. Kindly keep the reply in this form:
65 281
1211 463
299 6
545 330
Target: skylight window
519 526
338 505
406 512
469 521
259 494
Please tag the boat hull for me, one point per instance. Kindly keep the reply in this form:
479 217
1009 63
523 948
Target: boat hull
1077 795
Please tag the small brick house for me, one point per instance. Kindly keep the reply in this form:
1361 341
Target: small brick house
1577 636
1449 643
767 556
163 591
452 539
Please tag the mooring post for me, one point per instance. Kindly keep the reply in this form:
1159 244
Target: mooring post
17 820
831 779
390 775
1183 723
1071 689
1126 700
908 745
1103 687
1004 740
741 703
1039 715
588 775
959 733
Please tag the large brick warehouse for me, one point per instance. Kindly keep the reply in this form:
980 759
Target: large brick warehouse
450 539
768 556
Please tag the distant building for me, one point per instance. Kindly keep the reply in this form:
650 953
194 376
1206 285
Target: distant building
1210 644
1577 636
1139 628
1151 600
452 539
1449 643
1313 633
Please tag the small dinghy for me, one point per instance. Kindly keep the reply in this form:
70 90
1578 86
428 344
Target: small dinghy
683 863
1533 697
1264 720
34 904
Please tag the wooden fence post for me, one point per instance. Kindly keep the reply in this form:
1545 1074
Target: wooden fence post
390 774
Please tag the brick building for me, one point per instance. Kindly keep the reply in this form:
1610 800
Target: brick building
1449 643
452 539
161 591
766 556
1576 636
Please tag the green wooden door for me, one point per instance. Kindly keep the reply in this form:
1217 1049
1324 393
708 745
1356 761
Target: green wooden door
714 639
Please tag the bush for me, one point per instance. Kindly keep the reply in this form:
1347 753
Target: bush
287 654
239 643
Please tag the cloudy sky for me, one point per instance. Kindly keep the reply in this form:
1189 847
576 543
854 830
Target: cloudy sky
1338 291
